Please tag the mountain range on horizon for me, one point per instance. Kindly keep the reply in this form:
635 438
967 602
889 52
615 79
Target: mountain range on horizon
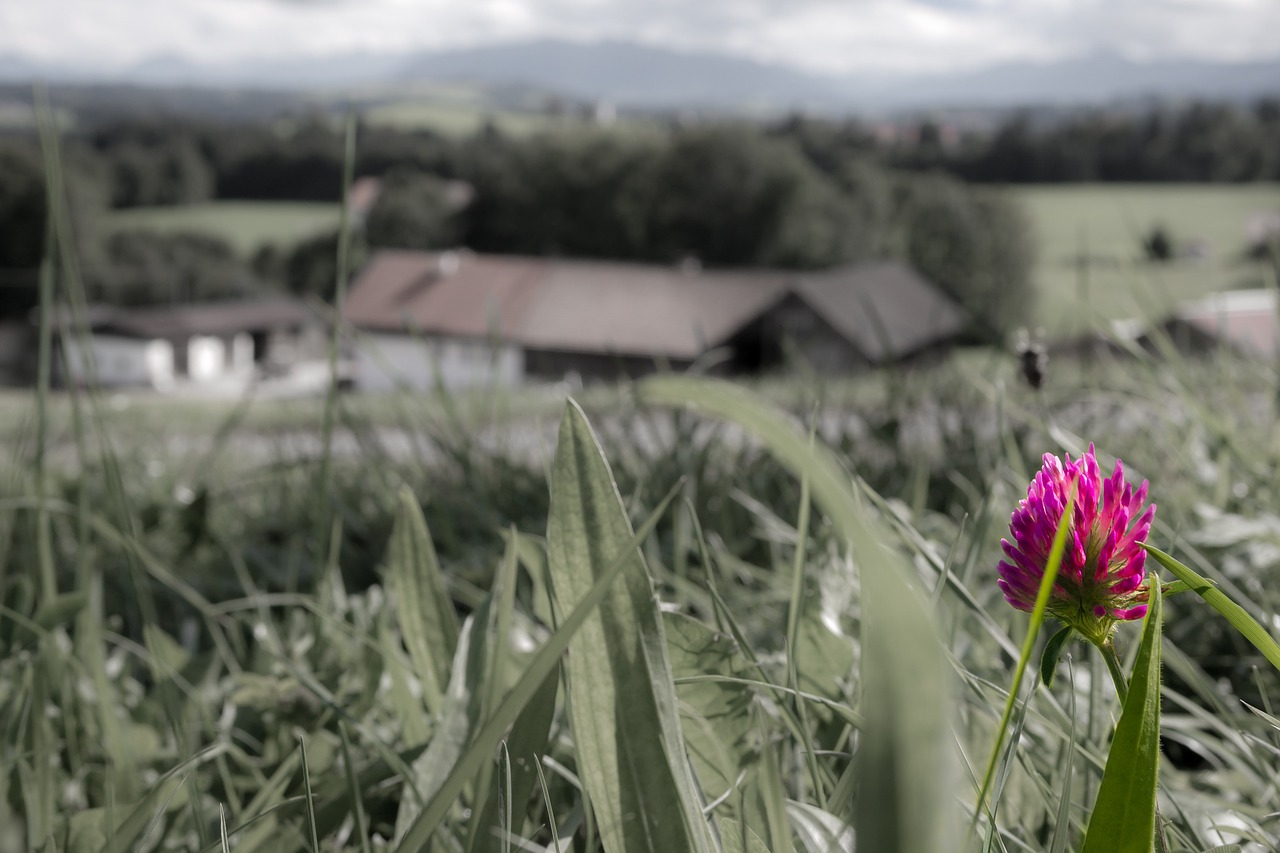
633 75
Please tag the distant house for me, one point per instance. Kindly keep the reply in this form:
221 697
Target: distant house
850 318
1243 320
426 317
224 344
460 319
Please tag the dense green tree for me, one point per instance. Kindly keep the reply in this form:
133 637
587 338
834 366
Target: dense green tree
413 211
22 206
23 209
729 196
584 194
311 268
974 244
152 268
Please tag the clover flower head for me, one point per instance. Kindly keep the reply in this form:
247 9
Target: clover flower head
1100 579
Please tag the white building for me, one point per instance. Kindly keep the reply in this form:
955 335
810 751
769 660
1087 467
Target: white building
221 345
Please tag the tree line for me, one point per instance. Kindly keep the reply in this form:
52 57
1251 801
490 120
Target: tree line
1193 143
727 195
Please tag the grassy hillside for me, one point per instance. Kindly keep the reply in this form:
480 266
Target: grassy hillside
246 225
1104 224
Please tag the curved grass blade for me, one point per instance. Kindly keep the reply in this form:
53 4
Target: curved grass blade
1124 814
1033 629
820 831
148 810
906 799
1219 601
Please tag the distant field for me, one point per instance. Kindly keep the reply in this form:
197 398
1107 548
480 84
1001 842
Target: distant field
246 225
463 117
1106 222
454 119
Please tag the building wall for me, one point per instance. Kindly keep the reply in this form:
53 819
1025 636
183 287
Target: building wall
386 361
120 361
210 358
558 365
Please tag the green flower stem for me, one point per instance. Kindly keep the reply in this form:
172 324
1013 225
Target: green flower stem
1109 655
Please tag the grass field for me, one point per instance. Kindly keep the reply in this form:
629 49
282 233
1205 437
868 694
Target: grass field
1106 223
368 651
246 225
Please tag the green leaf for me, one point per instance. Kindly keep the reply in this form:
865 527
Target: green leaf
1124 814
736 838
144 815
457 720
528 740
1033 630
428 621
1218 600
60 610
310 800
530 681
716 715
622 700
819 831
1053 651
907 797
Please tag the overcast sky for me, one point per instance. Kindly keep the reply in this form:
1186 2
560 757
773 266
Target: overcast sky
818 35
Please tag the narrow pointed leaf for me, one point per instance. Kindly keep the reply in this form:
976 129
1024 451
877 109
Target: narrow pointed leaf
736 838
622 700
428 621
1052 651
1124 815
508 710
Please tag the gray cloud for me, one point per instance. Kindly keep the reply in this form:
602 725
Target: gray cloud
832 35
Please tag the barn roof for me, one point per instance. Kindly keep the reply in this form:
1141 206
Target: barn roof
200 318
885 310
644 310
459 294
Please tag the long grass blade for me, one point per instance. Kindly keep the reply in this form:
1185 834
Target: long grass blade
1033 630
1219 601
310 797
904 674
1124 814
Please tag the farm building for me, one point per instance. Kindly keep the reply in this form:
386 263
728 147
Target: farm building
220 344
460 319
1245 321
